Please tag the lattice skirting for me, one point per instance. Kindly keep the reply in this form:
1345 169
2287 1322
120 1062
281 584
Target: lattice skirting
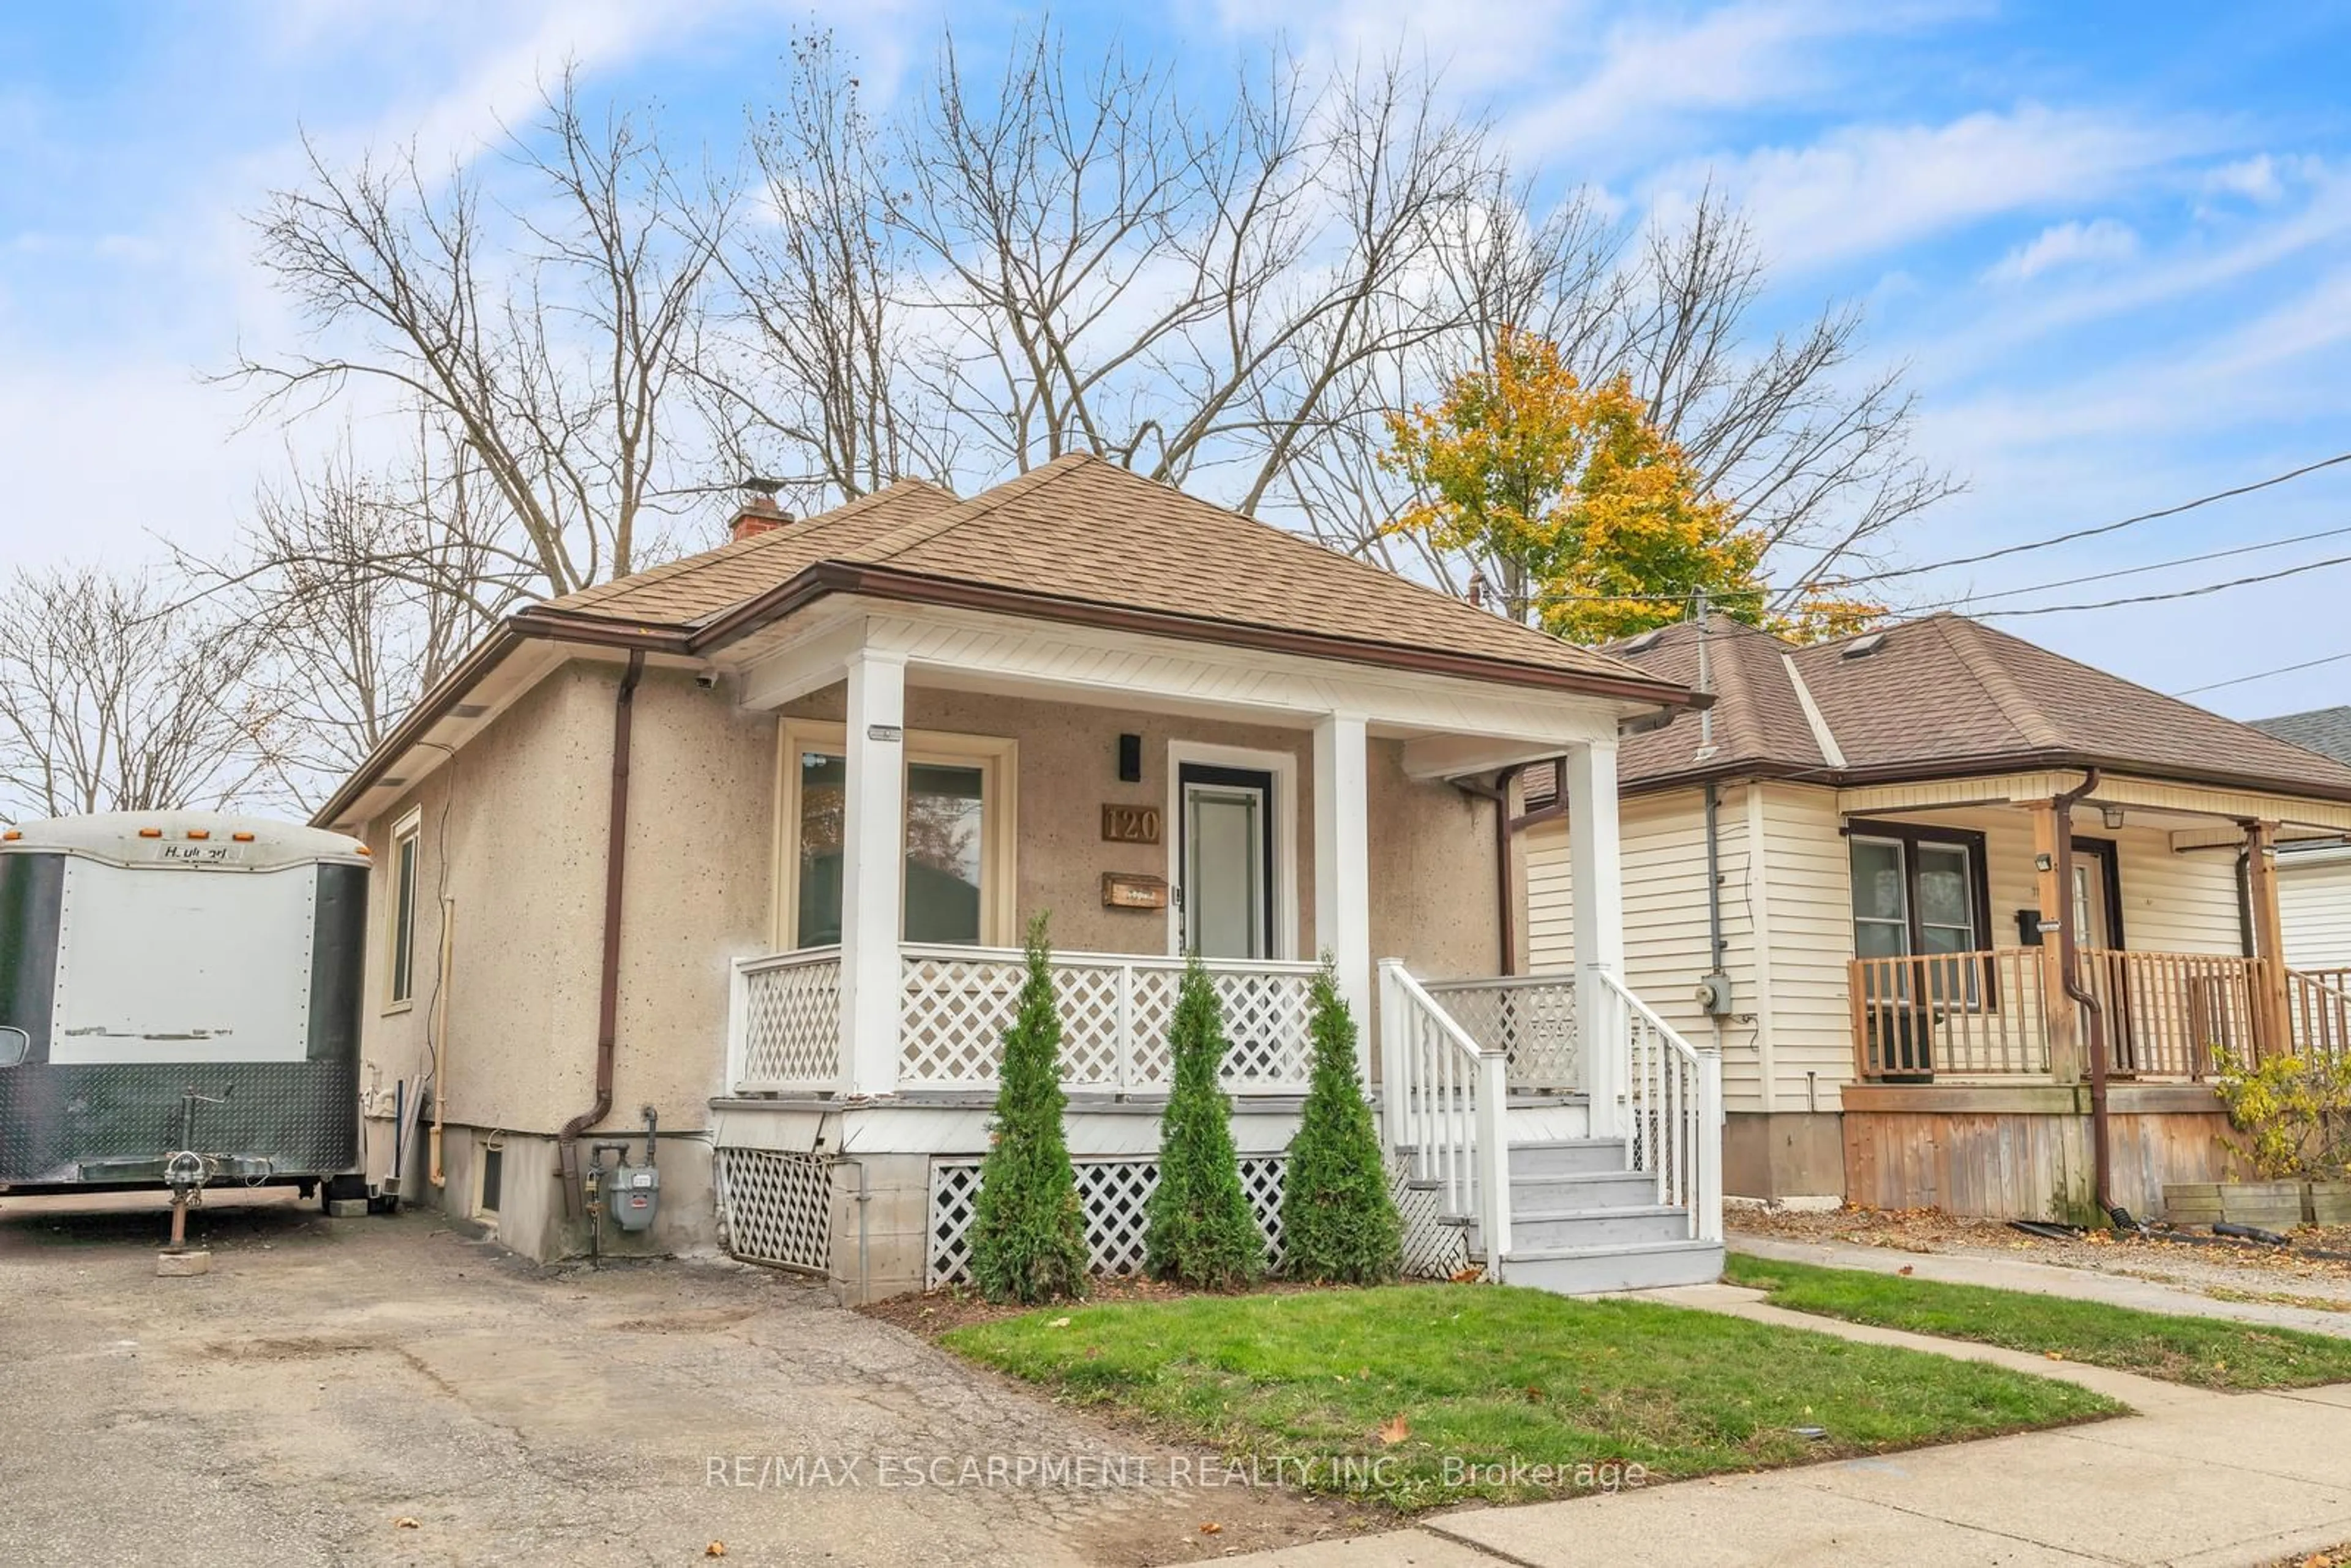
1431 1251
777 1206
1112 1195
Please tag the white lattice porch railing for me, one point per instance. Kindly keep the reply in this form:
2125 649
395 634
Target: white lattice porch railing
1531 1018
957 1003
783 1024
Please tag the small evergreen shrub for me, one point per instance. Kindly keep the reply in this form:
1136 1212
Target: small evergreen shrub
1027 1237
1339 1221
1201 1231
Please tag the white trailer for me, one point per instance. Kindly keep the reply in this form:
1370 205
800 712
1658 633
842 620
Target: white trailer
179 986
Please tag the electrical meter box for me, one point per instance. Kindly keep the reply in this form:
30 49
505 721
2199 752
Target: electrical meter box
631 1195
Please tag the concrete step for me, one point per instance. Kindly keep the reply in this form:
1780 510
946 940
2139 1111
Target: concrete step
1587 1271
1580 1189
1630 1224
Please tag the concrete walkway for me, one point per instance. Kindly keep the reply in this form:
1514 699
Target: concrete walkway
2046 1279
2212 1481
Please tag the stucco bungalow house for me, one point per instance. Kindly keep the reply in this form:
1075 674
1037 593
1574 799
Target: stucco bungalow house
1857 872
739 850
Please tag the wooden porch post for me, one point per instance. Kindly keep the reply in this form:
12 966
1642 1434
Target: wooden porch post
873 838
1596 873
2272 1013
2060 1018
1343 887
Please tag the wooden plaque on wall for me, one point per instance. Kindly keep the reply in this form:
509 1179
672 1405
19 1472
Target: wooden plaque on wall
1133 890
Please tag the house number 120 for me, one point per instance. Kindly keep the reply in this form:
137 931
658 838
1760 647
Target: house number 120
1130 824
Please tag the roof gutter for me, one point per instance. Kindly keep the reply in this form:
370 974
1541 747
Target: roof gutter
827 578
1962 767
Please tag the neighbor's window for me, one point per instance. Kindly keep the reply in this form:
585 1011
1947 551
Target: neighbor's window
404 910
957 824
1918 891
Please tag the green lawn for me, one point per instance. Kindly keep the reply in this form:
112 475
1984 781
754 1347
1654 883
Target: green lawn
1435 1379
2210 1352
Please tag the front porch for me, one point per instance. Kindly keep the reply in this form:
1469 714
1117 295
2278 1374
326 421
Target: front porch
941 779
2145 955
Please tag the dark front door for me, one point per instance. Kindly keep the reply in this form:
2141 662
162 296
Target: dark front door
1225 860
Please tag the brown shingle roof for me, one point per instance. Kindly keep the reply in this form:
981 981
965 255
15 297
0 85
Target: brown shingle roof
1082 531
687 592
1943 696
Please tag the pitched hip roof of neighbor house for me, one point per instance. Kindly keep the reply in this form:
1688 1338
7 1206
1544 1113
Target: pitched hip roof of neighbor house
1938 697
1084 541
2326 731
1080 541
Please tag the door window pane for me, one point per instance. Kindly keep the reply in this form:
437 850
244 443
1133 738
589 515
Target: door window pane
1224 891
944 818
824 783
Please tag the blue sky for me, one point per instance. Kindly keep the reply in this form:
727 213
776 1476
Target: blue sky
2109 241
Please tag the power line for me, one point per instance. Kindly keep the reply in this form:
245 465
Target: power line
2132 571
2089 532
2177 593
2262 675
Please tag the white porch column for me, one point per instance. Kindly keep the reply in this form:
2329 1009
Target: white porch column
873 841
1342 872
1596 871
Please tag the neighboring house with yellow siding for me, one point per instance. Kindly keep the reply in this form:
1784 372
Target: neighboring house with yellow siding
1848 873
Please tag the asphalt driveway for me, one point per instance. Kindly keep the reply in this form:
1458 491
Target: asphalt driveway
384 1390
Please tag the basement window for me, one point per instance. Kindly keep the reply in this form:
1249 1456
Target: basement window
494 1180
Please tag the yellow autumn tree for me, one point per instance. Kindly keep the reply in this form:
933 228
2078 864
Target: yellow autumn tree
1591 512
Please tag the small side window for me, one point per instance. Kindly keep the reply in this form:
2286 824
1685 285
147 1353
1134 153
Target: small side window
403 911
494 1176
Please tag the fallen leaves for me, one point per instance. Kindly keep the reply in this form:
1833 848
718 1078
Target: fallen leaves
715 1548
1212 1528
404 1522
1396 1430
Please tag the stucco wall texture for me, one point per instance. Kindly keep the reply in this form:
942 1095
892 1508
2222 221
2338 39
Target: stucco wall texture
513 836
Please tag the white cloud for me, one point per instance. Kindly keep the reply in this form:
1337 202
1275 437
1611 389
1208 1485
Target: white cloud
1864 189
2067 245
2255 178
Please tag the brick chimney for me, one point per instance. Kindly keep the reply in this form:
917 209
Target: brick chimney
759 511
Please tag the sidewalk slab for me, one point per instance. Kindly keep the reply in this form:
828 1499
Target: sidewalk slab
1753 1521
1396 1548
2045 1280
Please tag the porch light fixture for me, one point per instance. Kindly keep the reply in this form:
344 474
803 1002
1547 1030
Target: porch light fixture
2113 818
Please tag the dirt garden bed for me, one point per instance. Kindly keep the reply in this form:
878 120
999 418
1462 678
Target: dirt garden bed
2223 1270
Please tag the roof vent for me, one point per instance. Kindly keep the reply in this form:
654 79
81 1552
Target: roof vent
1641 644
1864 646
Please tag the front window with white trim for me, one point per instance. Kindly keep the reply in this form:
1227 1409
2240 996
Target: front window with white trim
957 868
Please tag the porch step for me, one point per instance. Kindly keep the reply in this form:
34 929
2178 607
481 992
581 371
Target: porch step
1566 1156
1575 1190
1626 1225
1588 1270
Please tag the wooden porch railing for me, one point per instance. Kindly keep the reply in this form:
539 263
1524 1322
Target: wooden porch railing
2165 1012
2319 1003
1984 1015
1976 1014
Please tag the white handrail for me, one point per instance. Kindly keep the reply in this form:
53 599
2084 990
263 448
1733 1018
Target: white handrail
1673 1104
1444 1096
